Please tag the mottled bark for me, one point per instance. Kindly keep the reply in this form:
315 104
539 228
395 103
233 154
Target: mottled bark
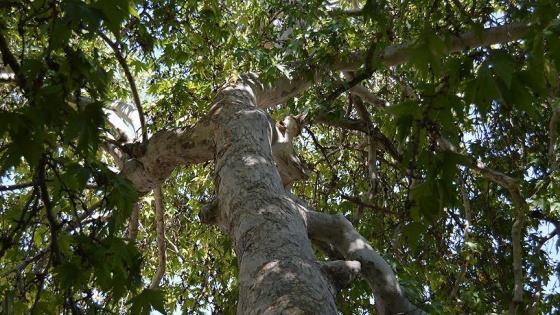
278 272
342 239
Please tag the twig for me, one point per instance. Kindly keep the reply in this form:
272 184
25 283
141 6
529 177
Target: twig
359 202
133 224
51 219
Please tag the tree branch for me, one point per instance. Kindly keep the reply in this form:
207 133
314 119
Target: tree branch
368 97
9 59
520 216
552 146
284 88
160 230
134 223
54 226
24 263
7 76
7 56
338 231
131 82
16 186
399 54
364 114
359 202
467 225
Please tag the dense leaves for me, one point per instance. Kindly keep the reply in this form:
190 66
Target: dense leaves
421 193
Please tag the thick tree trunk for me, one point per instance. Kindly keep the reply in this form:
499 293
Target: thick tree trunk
269 227
278 272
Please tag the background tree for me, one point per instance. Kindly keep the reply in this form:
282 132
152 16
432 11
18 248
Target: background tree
432 127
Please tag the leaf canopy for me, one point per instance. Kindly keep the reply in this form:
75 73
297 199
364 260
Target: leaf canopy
428 193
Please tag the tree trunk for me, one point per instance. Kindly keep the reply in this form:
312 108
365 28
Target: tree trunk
278 271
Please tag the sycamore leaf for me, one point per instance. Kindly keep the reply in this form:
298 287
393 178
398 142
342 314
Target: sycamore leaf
147 300
412 233
408 107
501 64
115 12
483 90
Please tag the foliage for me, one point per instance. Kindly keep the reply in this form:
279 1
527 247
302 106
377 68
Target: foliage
64 207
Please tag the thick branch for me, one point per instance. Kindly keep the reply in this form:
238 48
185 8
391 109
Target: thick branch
338 231
283 89
156 158
401 53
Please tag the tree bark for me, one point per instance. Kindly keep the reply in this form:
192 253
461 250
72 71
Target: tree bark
278 272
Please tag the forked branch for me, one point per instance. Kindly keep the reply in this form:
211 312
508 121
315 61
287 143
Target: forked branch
339 232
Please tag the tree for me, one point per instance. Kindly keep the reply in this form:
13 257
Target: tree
417 127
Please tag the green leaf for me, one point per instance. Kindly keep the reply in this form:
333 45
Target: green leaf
523 99
69 274
502 65
408 107
114 13
413 232
147 300
483 90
